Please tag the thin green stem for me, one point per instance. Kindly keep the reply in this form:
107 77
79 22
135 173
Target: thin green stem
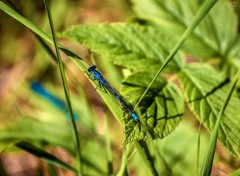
124 163
108 145
160 160
108 99
40 40
208 161
196 20
144 151
41 34
66 90
198 147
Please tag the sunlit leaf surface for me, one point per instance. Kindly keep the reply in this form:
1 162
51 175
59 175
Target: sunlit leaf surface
160 110
133 46
205 90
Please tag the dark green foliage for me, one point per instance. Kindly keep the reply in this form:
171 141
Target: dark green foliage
144 48
214 36
141 47
205 90
43 155
161 108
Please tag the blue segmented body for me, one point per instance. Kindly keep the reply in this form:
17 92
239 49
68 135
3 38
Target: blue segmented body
98 76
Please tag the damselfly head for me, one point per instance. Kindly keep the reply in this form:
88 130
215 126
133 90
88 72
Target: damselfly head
90 69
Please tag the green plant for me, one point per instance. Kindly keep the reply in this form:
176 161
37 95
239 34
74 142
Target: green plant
179 40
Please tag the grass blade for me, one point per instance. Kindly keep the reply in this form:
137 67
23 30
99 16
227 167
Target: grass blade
146 156
208 161
41 41
2 168
166 169
197 19
235 173
66 90
108 146
108 99
198 147
40 33
123 168
44 155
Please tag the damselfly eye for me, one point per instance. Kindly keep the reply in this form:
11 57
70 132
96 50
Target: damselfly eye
90 69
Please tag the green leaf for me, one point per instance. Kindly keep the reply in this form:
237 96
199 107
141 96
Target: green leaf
208 161
205 90
66 89
231 64
44 155
35 131
211 38
129 45
185 138
234 52
161 109
235 173
143 150
82 65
